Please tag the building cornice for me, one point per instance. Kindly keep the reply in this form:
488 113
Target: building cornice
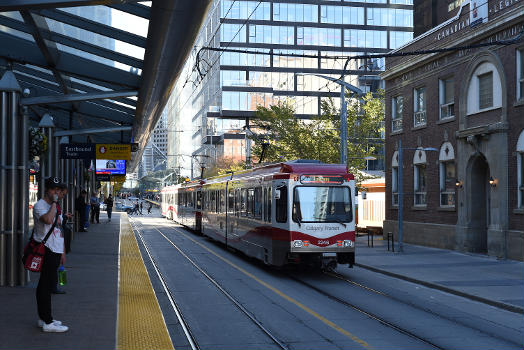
511 17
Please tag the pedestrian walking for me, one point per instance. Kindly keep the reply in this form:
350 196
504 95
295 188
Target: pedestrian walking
141 207
95 208
47 219
80 206
149 208
109 207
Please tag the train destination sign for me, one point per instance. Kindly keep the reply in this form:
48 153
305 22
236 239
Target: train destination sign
321 179
77 151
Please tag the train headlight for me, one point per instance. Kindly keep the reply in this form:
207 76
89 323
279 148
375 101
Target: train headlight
298 244
349 243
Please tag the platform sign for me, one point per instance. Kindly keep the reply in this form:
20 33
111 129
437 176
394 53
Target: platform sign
77 151
113 151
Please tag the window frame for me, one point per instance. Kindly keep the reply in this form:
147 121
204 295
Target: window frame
396 120
443 104
417 112
446 191
419 196
482 95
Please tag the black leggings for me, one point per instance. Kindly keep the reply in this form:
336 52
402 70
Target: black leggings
46 284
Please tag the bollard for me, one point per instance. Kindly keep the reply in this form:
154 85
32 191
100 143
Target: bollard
390 235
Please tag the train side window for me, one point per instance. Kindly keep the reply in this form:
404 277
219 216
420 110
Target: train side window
222 201
269 200
199 200
264 203
243 204
250 206
237 202
258 203
231 201
281 203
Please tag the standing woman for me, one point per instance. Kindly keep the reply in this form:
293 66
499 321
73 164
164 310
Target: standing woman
44 216
109 206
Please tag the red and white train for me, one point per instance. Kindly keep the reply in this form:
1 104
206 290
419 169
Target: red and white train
293 212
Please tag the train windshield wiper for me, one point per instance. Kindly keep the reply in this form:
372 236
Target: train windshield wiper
340 222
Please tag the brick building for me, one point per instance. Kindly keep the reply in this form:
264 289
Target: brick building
469 105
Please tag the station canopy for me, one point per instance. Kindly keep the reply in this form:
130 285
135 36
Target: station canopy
86 63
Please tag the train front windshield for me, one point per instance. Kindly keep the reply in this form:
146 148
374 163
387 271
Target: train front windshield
322 204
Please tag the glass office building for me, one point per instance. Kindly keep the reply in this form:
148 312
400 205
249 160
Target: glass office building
224 91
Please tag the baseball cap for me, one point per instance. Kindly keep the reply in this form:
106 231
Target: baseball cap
54 182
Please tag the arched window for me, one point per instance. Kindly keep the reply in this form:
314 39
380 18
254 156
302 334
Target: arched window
394 179
484 89
520 170
419 177
447 175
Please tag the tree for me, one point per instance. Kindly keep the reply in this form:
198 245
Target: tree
224 166
319 137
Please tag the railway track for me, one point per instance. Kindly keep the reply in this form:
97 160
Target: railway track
185 326
365 312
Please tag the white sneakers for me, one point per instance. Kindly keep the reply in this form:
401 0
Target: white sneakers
55 326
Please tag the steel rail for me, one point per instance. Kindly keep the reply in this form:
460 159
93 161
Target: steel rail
418 307
367 313
183 323
223 291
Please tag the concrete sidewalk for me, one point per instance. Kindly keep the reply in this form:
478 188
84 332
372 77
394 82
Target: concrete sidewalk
479 277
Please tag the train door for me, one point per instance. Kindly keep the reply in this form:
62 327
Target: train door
230 211
280 218
198 211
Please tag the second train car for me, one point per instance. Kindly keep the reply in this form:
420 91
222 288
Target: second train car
292 212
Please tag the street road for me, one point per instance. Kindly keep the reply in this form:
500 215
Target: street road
229 301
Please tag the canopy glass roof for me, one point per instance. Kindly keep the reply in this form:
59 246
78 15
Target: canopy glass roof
108 65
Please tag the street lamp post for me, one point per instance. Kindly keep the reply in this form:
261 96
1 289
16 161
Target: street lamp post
401 190
343 111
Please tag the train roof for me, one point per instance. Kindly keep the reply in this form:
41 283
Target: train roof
300 166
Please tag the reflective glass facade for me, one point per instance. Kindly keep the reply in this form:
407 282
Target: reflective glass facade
232 84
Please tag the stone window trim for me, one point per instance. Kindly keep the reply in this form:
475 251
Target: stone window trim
419 127
481 62
447 120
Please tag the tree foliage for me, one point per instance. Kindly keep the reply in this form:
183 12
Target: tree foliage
224 166
318 138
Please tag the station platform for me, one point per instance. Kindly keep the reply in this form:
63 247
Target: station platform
110 304
105 307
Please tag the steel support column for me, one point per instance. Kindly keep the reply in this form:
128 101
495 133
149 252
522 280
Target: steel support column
13 148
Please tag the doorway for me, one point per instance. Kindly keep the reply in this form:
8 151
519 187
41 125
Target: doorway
479 204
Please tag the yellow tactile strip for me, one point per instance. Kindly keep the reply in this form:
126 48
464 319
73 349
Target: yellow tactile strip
140 322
